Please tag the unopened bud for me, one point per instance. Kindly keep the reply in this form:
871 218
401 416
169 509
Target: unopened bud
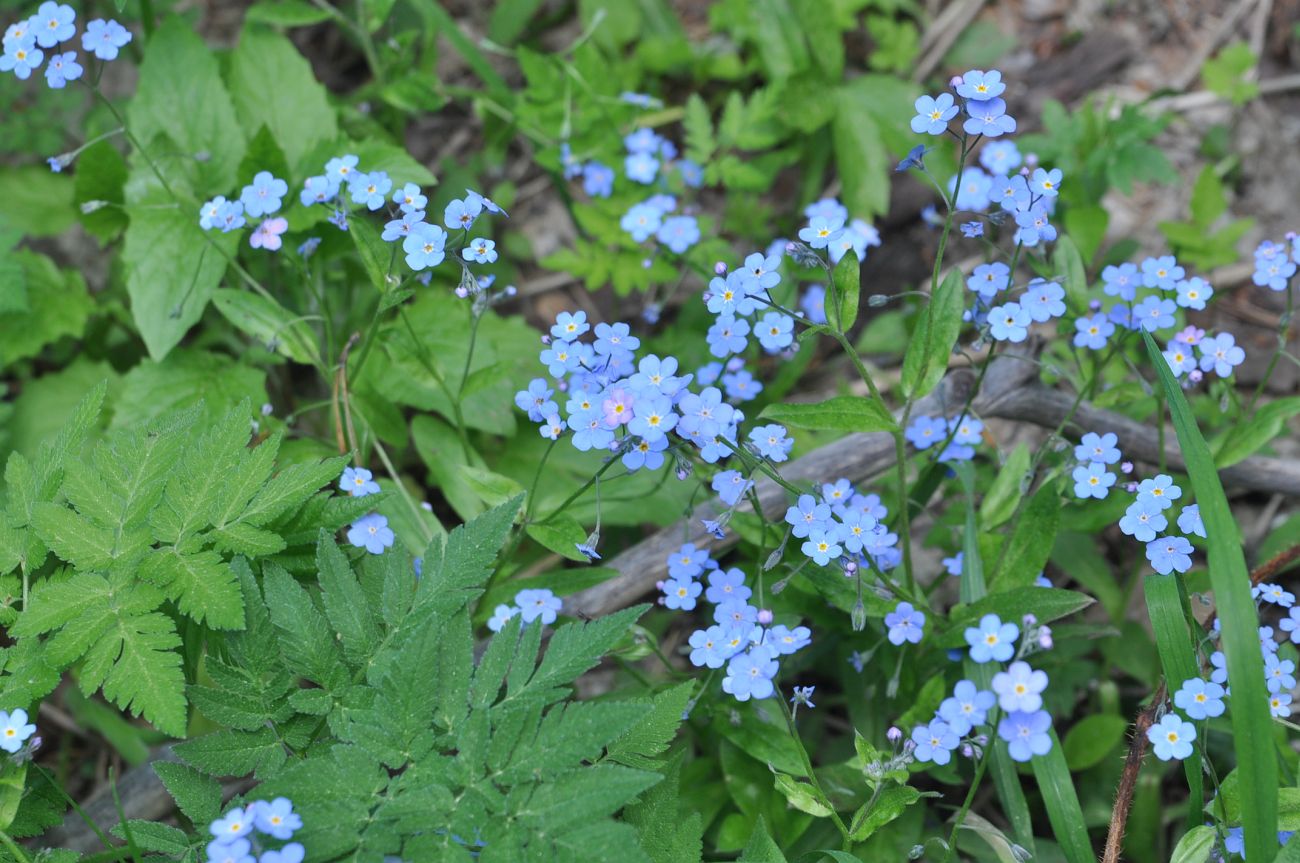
764 616
894 734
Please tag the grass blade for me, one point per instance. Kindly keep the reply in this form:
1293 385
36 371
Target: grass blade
1251 726
1062 803
1174 643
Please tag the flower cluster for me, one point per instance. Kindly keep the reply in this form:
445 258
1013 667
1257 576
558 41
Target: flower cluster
26 41
830 228
240 833
1275 263
1095 453
844 526
534 604
742 636
959 436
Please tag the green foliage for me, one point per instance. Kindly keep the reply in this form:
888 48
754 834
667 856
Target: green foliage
1196 241
1226 74
149 522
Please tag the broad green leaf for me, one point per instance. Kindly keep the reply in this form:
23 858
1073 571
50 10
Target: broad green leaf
860 153
888 805
1245 439
846 291
1062 804
100 182
1006 490
233 753
285 13
202 585
1195 845
761 848
560 534
269 322
841 413
36 200
803 796
13 777
1252 727
1068 265
1031 541
305 638
931 342
187 378
56 305
1093 738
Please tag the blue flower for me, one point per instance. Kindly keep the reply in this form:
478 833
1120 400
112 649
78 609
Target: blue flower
1162 273
1179 357
1000 157
1161 490
905 623
424 246
235 824
1154 313
1043 300
806 515
1121 281
317 190
992 640
711 648
933 114
232 851
813 304
725 585
1009 323
731 485
968 707
648 454
988 279
1279 674
294 852
372 533
1189 521
974 192
1034 226
14 729
730 295
749 675
775 331
370 189
276 818
1279 705
480 250
569 326
988 118
21 59
641 167
1046 183
821 231
597 180
934 742
62 69
972 230
1272 271
1142 520
410 199
979 86
855 530
737 613
741 385
952 565
681 593
483 202
501 616
1026 734
1221 354
727 336
642 221
822 545
1200 699
1193 293
1020 688
771 442
1098 448
1092 332
358 482
784 641
1170 554
538 604
653 417
398 229
691 172
263 196
52 24
915 158
1172 737
679 233
341 170
826 208
460 215
230 215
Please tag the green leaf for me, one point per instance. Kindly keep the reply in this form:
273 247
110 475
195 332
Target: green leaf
1007 489
1208 201
1031 542
285 13
860 153
888 805
269 322
1245 439
1086 226
233 753
697 124
846 289
13 777
374 252
36 200
101 178
579 646
1068 264
295 108
56 305
841 413
1174 628
761 848
202 586
931 342
669 832
151 836
188 378
178 74
73 537
1196 844
457 566
305 637
1252 727
649 737
1045 603
1092 738
345 602
1062 804
803 796
560 533
1225 74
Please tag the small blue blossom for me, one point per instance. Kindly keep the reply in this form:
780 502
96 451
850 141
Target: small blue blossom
933 114
276 818
988 118
641 168
915 158
1273 270
1279 705
1121 281
424 246
597 180
233 851
1043 300
806 515
741 385
1189 521
480 250
988 279
771 442
856 530
370 190
971 230
1193 293
992 640
53 23
967 707
784 641
813 304
1170 554
934 742
681 593
821 546
653 417
483 202
538 604
952 565
775 331
569 326
642 221
821 232
398 229
1143 520
710 647
731 485
1000 158
1279 674
372 533
1020 688
1274 594
61 69
409 199
749 675
341 170
648 454
725 585
294 852
358 482
1034 226
1046 183
1009 323
1026 734
1098 448
979 86
460 214
263 196
14 730
1172 737
1179 357
1200 699
1160 489
679 233
21 59
905 624
974 191
317 190
235 824
501 616
1221 354
1162 273
926 431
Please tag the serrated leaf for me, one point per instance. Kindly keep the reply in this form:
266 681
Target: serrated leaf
345 603
202 585
304 635
932 340
72 537
846 289
455 567
233 753
651 736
